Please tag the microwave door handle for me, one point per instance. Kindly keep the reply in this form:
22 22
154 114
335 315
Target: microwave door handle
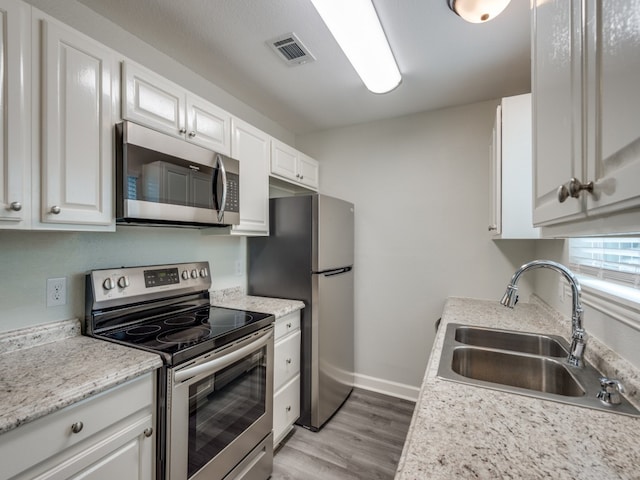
223 201
223 361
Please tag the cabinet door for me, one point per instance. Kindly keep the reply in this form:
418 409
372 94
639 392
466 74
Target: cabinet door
615 75
557 100
125 454
208 125
495 178
14 115
77 130
284 160
250 147
153 101
308 171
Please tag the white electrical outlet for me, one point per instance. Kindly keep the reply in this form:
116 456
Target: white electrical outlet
56 291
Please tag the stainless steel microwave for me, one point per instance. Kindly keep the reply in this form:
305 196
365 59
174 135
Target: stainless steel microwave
164 180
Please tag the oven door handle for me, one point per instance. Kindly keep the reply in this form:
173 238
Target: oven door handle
223 361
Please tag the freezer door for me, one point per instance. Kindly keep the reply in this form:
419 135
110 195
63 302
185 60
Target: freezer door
333 338
334 229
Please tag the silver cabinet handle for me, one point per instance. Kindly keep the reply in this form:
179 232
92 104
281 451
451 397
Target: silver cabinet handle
15 206
148 432
289 325
492 228
573 189
77 427
288 360
183 131
192 134
55 210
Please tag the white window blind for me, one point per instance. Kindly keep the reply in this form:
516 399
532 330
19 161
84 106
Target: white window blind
614 259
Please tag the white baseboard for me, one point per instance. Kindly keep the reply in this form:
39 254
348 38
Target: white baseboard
386 387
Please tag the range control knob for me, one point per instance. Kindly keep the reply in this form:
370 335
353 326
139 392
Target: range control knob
123 282
109 284
203 272
185 274
194 273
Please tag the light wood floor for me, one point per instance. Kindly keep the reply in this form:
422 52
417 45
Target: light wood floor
363 440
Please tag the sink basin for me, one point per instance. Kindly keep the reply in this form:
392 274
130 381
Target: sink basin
509 340
528 364
535 373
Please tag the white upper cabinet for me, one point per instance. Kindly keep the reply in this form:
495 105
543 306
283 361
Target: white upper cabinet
15 125
511 170
78 78
586 68
151 100
250 147
289 164
308 168
613 109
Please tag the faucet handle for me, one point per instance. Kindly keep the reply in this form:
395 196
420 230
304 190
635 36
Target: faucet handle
610 390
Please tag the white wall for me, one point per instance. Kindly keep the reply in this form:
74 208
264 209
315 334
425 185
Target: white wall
27 259
420 184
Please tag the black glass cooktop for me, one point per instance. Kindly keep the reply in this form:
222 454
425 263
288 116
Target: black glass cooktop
183 336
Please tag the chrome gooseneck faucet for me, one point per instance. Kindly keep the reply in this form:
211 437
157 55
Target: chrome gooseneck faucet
576 352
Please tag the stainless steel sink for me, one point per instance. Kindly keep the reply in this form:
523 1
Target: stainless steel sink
523 363
509 340
522 371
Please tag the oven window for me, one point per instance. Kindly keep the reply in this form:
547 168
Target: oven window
223 405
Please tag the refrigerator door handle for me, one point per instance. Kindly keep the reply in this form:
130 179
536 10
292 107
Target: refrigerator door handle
334 271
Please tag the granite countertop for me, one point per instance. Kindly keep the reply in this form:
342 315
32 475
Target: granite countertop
48 367
463 431
278 307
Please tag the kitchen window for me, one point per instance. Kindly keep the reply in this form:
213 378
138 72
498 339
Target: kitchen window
609 272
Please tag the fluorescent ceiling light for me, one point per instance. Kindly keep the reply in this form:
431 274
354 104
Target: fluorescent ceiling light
356 27
478 11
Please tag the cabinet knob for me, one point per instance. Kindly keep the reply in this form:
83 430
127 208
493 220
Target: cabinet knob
55 210
148 432
15 206
288 360
492 228
183 131
289 325
288 408
192 134
77 427
573 189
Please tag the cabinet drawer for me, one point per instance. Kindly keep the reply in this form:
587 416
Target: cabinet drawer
286 409
286 360
287 324
36 441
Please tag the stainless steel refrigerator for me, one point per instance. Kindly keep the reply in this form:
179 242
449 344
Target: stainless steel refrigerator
308 256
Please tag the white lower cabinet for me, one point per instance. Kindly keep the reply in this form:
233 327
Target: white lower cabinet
107 436
286 375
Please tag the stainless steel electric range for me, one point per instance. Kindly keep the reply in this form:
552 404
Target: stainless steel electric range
215 390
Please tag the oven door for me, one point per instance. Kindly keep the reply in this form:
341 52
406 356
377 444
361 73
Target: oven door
220 408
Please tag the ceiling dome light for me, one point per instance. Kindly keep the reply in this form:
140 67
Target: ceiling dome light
478 11
356 27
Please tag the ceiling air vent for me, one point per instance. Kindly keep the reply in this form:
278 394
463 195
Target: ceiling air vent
291 49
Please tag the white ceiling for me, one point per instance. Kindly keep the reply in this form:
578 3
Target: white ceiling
444 60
